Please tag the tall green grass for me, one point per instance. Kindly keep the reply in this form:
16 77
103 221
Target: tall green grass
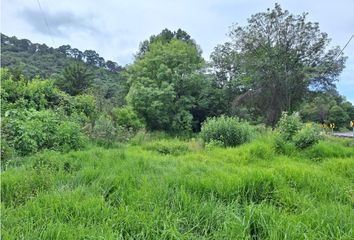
174 189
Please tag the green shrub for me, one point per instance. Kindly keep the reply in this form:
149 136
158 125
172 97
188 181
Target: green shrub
31 131
85 105
127 118
104 129
289 125
69 137
307 137
283 147
228 130
125 134
23 94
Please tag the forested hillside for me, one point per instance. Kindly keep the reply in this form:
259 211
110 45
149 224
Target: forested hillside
22 56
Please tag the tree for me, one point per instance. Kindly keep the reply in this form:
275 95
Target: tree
65 50
113 66
338 116
327 108
274 61
76 79
165 83
91 57
164 37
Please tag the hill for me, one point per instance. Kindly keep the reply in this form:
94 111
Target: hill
34 59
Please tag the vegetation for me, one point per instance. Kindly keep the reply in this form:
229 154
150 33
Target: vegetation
307 136
22 57
164 85
272 62
289 125
76 79
173 189
229 132
174 147
328 108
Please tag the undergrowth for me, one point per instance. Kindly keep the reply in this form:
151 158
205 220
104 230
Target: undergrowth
164 188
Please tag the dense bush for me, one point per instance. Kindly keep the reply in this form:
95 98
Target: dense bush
282 146
289 125
104 129
228 130
307 136
31 131
68 136
20 93
126 117
85 106
291 131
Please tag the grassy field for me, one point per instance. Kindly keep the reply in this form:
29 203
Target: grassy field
174 189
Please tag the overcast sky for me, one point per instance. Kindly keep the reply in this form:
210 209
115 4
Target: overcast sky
114 28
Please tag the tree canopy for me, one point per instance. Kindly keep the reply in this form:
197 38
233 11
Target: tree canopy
75 80
164 85
274 61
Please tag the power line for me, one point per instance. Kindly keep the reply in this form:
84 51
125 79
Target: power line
345 46
45 21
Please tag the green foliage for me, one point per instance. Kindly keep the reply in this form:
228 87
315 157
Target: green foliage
85 106
328 108
165 37
307 136
104 129
30 131
22 56
127 118
36 115
68 136
293 131
164 83
219 193
214 143
261 69
173 147
283 146
76 79
330 148
23 94
6 152
230 131
338 116
289 125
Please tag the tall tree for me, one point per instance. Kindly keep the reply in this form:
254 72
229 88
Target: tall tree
271 63
76 79
164 37
165 84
